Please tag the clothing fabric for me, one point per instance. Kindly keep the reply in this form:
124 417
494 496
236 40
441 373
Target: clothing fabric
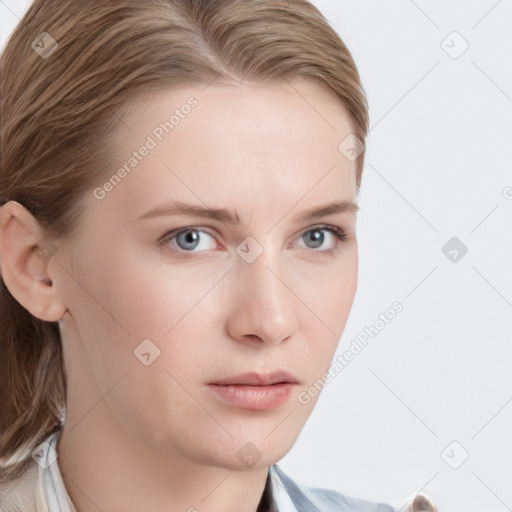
41 489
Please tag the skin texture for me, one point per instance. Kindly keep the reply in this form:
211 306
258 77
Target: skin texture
155 437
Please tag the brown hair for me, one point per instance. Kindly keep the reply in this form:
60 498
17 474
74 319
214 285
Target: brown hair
56 106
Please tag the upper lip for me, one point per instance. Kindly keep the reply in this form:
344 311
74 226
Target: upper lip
259 379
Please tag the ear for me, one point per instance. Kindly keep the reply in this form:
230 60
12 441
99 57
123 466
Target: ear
25 254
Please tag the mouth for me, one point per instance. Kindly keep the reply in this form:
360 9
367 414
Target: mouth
255 391
259 379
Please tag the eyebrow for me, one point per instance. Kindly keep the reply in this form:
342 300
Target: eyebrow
225 216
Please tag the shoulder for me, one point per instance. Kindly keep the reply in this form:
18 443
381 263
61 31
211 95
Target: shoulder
28 492
22 493
313 499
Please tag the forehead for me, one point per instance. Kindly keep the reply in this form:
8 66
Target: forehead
259 146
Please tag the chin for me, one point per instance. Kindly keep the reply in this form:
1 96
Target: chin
239 455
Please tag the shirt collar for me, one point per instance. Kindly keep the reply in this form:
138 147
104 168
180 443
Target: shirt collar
276 496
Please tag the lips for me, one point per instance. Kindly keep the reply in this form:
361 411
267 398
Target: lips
259 379
255 391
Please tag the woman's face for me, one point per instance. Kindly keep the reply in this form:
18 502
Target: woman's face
251 284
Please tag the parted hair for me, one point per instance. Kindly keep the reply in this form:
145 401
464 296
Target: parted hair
58 112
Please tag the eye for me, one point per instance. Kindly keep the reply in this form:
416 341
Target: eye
315 237
195 239
189 239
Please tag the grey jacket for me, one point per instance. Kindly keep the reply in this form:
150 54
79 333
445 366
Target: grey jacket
41 489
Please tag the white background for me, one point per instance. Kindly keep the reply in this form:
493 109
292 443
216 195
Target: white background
438 164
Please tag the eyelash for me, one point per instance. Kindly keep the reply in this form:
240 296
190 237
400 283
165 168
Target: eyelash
335 230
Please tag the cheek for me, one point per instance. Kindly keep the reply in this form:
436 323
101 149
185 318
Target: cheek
331 292
167 304
156 299
330 300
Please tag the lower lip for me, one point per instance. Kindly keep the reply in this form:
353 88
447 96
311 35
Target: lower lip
253 397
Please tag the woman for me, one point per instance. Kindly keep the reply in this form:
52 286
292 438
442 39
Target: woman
179 189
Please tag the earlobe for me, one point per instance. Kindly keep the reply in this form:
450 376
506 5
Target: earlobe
25 254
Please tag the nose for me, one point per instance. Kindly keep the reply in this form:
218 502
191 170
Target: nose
262 306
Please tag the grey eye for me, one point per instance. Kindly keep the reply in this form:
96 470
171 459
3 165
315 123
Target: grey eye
188 240
316 236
